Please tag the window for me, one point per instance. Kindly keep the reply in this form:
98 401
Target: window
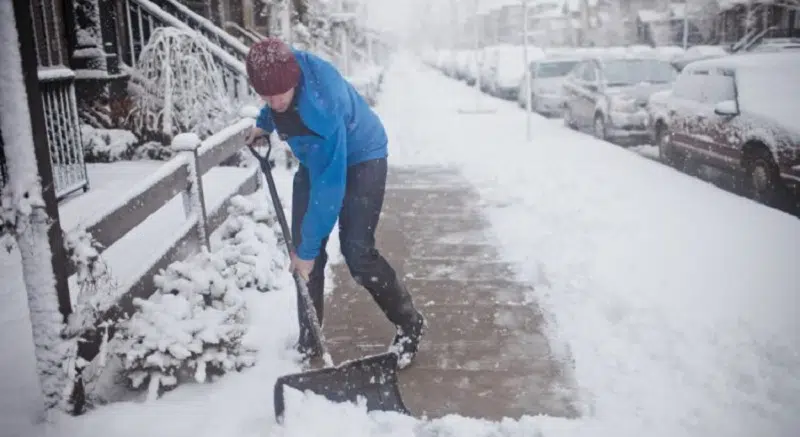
689 86
589 73
718 88
555 69
624 72
577 72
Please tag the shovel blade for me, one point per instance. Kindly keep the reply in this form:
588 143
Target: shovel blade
373 378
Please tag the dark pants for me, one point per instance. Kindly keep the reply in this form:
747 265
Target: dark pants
358 219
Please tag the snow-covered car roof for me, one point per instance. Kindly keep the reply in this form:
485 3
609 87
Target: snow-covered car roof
769 60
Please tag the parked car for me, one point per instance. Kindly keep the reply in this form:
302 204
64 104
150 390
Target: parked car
547 84
738 113
505 67
608 95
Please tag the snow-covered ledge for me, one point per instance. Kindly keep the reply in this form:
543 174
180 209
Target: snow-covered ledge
56 73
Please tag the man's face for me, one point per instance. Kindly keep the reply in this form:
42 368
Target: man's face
280 102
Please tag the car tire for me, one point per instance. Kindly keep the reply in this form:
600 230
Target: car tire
666 150
762 179
568 121
599 127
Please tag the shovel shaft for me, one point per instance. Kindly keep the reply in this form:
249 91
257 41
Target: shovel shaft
301 285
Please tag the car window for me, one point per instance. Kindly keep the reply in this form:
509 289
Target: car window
626 72
589 74
554 69
577 72
718 88
689 86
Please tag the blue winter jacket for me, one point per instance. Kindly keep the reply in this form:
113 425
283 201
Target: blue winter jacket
349 133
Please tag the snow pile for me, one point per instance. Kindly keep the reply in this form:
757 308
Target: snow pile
192 326
353 420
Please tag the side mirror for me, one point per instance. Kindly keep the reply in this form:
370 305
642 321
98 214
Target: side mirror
726 108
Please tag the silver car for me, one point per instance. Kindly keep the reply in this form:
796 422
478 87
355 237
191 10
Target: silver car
608 96
547 80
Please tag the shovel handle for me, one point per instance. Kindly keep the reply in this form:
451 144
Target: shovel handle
302 286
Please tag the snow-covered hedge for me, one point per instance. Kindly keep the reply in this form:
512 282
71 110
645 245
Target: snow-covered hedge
249 245
192 326
109 145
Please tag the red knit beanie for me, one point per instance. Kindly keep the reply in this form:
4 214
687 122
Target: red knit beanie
272 67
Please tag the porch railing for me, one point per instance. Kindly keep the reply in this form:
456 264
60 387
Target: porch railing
57 86
141 17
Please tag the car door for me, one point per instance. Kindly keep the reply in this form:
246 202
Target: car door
682 109
571 93
582 95
718 134
588 94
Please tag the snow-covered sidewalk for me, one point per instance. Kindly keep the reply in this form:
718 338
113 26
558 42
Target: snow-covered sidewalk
676 301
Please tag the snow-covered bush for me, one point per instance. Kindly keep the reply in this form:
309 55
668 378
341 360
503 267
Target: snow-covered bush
109 145
191 326
249 245
96 284
183 86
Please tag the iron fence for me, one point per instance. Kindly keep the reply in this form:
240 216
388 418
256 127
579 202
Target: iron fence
57 87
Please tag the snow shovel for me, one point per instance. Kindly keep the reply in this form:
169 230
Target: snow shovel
372 378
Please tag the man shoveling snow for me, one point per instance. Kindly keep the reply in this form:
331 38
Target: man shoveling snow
342 148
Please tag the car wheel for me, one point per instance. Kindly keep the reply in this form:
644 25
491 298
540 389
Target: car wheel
666 151
568 121
762 177
599 127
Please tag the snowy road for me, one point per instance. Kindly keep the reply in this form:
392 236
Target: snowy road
676 301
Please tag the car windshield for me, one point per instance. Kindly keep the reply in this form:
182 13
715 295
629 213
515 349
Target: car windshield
554 69
623 72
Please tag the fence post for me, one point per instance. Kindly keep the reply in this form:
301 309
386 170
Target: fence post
194 203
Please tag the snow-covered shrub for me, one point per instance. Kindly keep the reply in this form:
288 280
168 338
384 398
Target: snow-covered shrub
191 327
183 88
96 284
249 245
107 145
153 150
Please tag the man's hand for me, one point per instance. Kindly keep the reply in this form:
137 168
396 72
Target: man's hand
301 266
255 136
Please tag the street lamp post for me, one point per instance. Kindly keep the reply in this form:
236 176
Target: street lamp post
527 76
